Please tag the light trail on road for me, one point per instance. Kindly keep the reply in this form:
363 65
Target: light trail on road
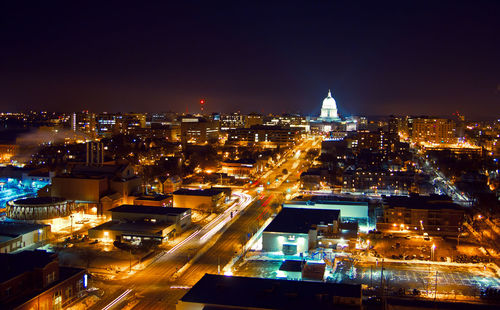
245 200
117 299
264 206
178 245
147 284
219 221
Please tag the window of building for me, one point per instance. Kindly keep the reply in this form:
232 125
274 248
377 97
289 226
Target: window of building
51 277
57 301
69 292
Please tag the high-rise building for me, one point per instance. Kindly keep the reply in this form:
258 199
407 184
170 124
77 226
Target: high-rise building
253 119
106 124
232 121
199 130
433 130
265 136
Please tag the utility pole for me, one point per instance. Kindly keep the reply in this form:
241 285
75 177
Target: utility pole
130 257
436 286
371 280
382 279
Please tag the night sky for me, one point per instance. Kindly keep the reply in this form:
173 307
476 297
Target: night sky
378 57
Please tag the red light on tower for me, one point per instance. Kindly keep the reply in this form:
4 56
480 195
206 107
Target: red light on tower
202 102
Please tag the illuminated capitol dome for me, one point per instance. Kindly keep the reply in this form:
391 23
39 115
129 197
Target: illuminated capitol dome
329 109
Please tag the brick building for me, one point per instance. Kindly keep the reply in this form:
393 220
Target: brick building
433 214
34 280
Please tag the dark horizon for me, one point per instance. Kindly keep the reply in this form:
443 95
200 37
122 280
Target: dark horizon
422 58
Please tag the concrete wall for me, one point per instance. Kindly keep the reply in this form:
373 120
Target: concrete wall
79 188
181 305
153 203
202 203
35 236
117 216
183 222
26 240
126 187
101 234
11 245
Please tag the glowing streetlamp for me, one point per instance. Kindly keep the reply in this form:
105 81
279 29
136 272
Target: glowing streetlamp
433 249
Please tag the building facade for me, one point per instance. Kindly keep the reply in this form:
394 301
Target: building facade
34 280
207 200
433 214
264 136
433 130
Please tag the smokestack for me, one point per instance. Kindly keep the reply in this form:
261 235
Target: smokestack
98 154
91 153
87 157
102 154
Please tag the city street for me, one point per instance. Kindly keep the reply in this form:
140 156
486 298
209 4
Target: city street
156 287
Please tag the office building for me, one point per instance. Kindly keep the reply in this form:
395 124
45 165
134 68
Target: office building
138 223
433 214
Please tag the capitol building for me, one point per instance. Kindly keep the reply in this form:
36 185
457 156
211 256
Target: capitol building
329 111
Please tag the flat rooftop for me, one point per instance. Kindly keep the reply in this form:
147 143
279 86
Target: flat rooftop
146 228
14 229
16 264
247 161
422 202
149 210
314 201
300 220
155 197
259 293
291 265
198 192
65 273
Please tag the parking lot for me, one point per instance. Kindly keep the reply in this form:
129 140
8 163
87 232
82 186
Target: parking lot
407 247
453 281
462 280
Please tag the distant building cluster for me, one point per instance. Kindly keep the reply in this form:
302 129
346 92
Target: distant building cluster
322 187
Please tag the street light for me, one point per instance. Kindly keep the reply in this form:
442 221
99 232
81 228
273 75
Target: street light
433 248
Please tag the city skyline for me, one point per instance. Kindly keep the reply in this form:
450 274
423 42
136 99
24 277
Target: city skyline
250 155
274 58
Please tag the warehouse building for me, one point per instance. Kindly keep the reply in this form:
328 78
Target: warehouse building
295 230
350 210
16 236
136 224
